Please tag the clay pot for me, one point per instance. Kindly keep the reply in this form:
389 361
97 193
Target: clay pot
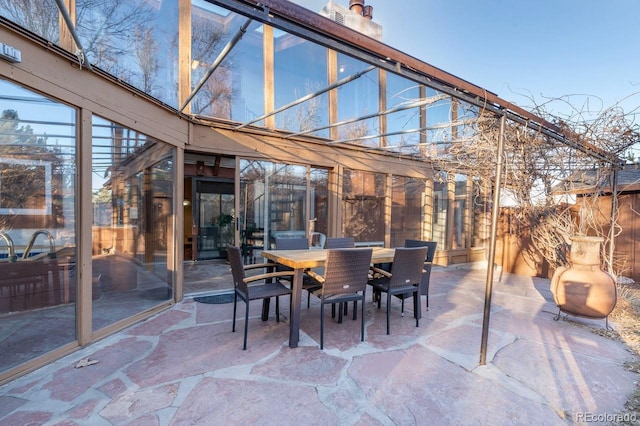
582 288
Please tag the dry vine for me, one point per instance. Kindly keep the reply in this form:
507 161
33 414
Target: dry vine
541 174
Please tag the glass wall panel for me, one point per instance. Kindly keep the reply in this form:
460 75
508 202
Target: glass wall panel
407 209
439 131
274 203
357 99
440 208
400 94
136 41
37 225
235 90
300 68
460 225
320 204
481 219
363 205
40 17
132 187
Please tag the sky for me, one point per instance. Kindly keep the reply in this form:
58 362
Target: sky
585 52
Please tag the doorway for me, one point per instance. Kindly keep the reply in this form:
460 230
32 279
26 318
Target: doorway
214 217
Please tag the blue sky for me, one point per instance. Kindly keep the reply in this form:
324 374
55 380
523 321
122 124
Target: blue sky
586 51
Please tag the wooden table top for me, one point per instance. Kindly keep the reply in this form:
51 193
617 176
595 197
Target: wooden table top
314 258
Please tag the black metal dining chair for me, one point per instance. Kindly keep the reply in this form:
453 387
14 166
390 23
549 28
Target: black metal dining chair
340 242
345 280
270 287
308 283
404 279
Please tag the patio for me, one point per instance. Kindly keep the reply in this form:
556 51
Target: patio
184 366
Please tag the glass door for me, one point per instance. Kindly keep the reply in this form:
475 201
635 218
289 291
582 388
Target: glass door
215 218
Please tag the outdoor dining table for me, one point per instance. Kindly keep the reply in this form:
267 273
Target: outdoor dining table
299 260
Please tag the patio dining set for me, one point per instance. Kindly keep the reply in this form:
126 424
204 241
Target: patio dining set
336 275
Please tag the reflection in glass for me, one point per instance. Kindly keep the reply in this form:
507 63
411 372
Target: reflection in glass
460 225
440 208
481 220
136 41
357 99
37 225
363 205
300 70
39 17
235 89
132 187
407 209
274 202
401 93
319 204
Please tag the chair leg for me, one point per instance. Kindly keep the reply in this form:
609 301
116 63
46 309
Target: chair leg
340 310
355 310
388 312
402 310
309 299
246 324
416 307
235 304
322 324
277 308
362 320
333 310
427 294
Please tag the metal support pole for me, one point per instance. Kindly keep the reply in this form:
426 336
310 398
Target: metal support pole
614 215
230 45
309 96
72 29
492 245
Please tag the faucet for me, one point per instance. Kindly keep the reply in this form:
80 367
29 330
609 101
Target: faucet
52 245
12 252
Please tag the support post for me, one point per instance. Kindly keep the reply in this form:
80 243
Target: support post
614 215
495 212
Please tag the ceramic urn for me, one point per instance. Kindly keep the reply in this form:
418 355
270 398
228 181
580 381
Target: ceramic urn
583 288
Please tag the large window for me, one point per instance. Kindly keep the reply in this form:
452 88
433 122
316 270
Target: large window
363 205
37 225
461 223
235 89
300 69
136 41
132 187
440 208
407 209
402 96
41 17
279 200
357 99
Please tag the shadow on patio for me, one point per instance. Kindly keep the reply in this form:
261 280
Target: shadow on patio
185 366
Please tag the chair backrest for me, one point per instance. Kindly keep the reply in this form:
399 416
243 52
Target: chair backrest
346 271
431 246
292 244
237 268
343 242
408 263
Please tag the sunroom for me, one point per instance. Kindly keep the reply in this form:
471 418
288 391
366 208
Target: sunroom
142 136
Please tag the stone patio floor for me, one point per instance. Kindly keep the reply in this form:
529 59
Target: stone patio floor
184 366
